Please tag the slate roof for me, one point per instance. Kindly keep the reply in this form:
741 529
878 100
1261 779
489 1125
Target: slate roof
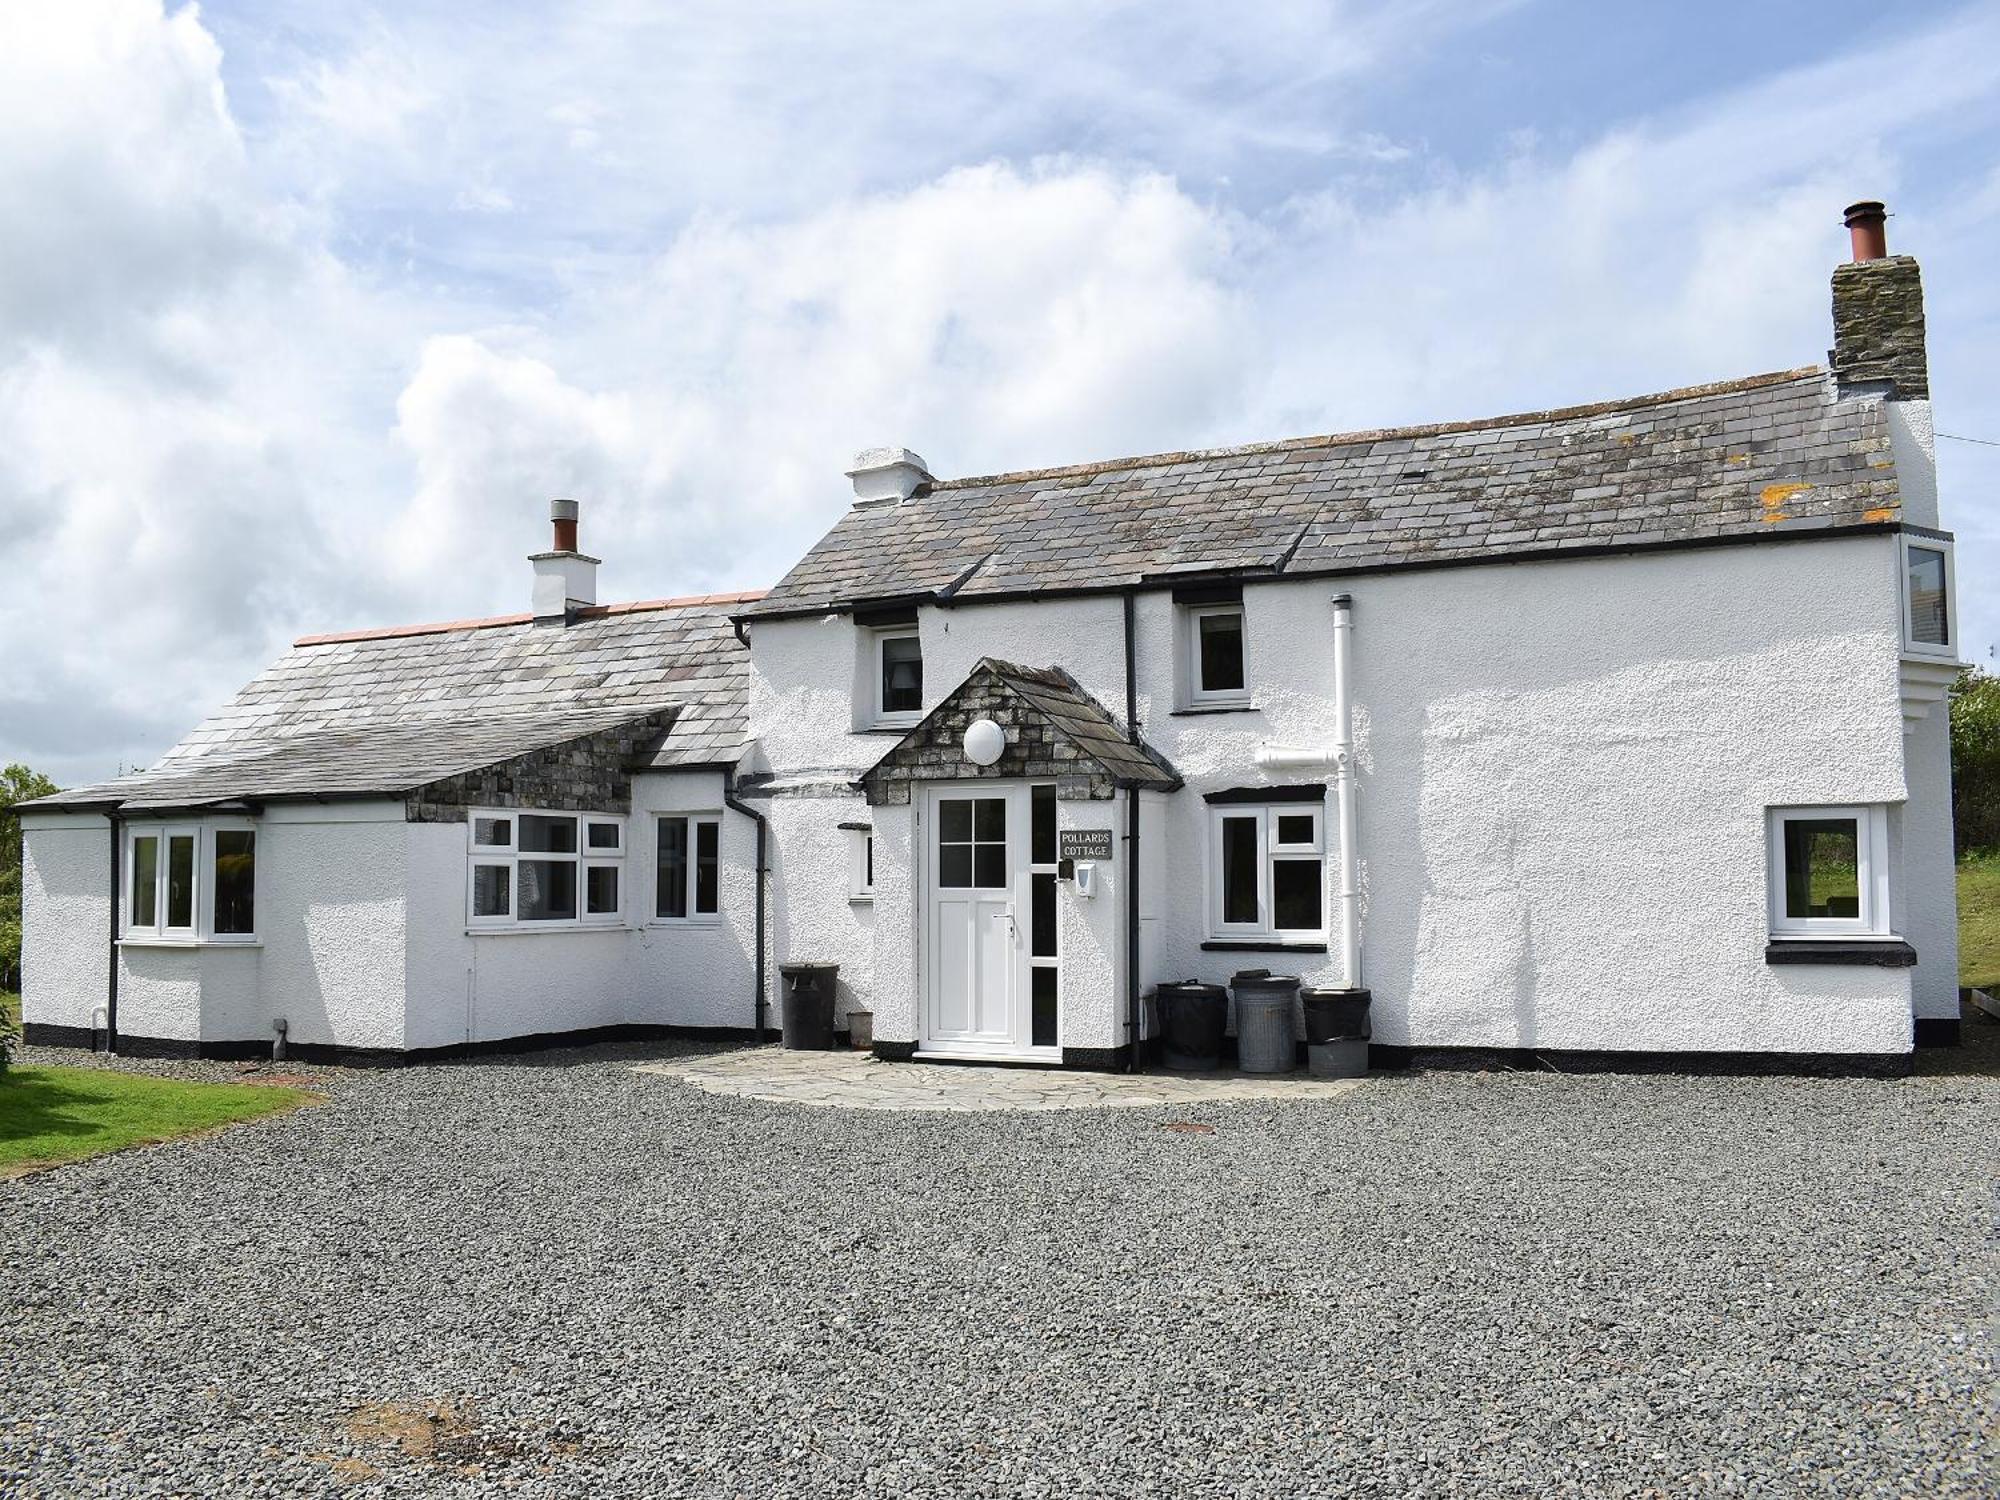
1073 714
1770 454
391 710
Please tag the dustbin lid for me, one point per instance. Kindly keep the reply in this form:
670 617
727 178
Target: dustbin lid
1187 987
1263 979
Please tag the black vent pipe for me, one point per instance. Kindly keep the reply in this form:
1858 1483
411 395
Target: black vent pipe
1132 998
730 801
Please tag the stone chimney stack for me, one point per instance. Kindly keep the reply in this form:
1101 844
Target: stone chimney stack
1878 314
565 579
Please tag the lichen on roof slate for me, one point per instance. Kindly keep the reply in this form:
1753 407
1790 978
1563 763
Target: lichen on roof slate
1770 454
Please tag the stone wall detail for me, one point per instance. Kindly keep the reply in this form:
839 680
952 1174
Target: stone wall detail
591 773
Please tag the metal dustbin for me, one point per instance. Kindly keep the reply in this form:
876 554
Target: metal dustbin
1193 1018
809 1006
1337 1032
1265 1038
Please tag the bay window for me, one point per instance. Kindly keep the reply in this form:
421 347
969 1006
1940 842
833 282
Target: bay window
190 882
1930 615
535 870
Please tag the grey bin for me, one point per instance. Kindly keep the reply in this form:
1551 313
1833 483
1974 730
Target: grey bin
1265 1034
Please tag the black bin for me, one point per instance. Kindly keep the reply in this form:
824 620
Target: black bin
809 1006
1336 1016
1193 1018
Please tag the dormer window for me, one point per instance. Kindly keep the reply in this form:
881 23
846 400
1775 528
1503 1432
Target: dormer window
1929 610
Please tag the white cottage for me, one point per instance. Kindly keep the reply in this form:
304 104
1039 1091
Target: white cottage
1603 735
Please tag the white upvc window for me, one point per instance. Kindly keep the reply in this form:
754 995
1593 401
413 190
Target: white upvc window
860 864
896 676
1929 599
191 882
687 868
1214 656
1829 871
533 870
1267 871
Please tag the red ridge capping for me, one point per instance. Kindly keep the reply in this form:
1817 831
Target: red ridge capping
494 622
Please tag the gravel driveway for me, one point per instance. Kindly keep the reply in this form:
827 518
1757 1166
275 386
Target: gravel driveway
558 1276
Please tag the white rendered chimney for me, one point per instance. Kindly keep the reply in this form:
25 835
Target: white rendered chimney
565 579
883 475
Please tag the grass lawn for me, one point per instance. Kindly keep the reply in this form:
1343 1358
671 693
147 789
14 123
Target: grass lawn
50 1115
1979 923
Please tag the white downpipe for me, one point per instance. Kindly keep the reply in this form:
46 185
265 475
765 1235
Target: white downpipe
1339 759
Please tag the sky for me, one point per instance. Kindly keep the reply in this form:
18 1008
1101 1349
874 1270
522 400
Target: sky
307 310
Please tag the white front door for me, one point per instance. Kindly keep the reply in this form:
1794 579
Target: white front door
976 846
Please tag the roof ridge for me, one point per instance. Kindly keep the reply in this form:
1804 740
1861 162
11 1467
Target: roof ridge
1379 434
494 622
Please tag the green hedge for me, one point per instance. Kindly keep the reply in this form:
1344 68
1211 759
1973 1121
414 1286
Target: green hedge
1975 762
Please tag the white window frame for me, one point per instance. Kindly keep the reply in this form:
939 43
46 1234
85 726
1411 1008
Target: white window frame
1270 854
1194 694
860 864
510 856
879 637
693 819
205 855
200 928
1872 874
1911 645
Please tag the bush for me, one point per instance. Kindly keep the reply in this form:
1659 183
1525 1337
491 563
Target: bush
1975 762
17 784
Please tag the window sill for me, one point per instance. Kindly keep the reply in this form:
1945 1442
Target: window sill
862 898
549 929
190 942
1245 707
1259 945
1875 952
682 924
890 726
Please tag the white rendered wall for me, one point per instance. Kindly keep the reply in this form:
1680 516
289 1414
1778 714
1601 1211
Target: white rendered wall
328 954
1564 774
330 888
487 986
1927 874
65 917
1913 445
816 920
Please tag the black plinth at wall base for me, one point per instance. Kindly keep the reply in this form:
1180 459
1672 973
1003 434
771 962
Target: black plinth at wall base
894 1051
1712 1064
1937 1031
44 1035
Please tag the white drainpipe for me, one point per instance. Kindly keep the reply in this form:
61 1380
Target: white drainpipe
1338 758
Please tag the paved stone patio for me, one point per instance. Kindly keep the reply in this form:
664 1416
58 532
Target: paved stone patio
857 1080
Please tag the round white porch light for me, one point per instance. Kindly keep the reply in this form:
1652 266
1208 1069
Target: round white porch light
985 742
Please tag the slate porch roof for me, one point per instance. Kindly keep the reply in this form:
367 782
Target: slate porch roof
1055 697
386 711
1766 455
